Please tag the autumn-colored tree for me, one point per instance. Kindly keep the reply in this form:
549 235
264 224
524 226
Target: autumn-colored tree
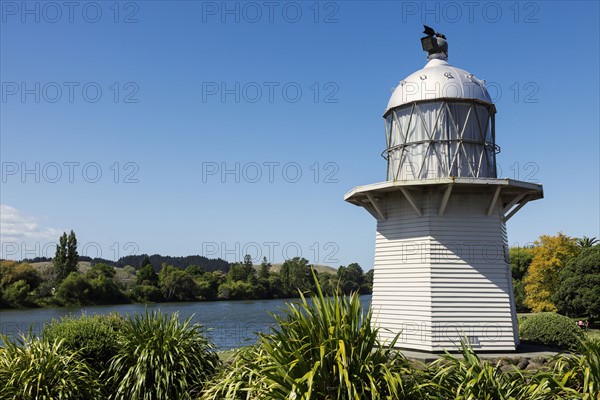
550 255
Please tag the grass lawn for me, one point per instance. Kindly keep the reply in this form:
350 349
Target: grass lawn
594 334
225 355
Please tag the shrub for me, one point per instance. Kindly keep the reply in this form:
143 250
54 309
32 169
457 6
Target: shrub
551 329
42 369
161 358
93 337
321 349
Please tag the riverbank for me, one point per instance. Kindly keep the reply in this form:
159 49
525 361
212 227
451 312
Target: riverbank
229 324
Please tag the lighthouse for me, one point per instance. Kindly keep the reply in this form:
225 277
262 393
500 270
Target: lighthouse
441 272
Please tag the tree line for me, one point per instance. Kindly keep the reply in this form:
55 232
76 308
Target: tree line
64 282
559 274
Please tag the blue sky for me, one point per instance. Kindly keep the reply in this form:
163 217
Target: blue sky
129 115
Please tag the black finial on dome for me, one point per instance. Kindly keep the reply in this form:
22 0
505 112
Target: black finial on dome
428 30
434 44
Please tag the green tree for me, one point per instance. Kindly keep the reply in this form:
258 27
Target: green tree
579 289
11 272
369 279
66 257
586 242
327 282
208 284
176 284
263 286
249 265
276 287
74 289
195 270
145 261
72 255
60 259
205 290
519 293
520 259
351 278
237 272
15 295
265 269
295 275
101 269
242 271
147 276
104 289
550 255
146 293
237 290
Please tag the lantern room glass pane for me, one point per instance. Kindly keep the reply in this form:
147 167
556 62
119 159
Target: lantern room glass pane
440 139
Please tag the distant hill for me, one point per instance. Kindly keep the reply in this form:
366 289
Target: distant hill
84 266
122 274
319 268
38 260
209 265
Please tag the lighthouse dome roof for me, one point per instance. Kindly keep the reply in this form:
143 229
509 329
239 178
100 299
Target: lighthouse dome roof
438 80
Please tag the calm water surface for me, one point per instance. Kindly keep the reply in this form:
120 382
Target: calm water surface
230 324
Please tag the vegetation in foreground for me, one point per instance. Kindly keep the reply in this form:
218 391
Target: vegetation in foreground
327 349
151 356
321 348
160 357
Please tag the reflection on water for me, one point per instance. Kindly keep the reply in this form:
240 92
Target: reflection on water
230 324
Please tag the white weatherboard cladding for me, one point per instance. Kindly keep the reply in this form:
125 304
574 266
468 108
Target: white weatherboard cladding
439 278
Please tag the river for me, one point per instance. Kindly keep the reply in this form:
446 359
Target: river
229 324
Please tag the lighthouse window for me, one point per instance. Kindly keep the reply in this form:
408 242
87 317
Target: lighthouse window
440 138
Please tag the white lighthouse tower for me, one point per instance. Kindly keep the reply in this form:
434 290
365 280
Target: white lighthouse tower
442 273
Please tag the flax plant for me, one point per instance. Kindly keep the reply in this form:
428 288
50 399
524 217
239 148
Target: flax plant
160 357
321 348
40 369
579 375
